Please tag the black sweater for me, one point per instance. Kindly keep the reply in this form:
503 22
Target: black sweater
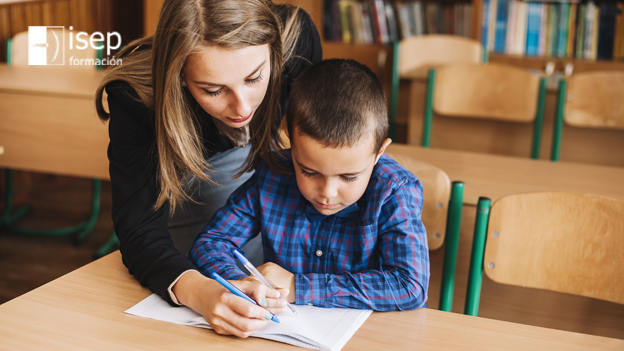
146 245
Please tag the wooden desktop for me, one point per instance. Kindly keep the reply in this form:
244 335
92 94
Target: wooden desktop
84 310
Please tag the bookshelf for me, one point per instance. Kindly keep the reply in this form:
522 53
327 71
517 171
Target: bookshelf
589 35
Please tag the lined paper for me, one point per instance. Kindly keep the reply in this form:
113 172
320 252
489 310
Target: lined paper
315 328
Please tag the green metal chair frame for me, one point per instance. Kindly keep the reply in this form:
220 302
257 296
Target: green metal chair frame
537 124
475 272
82 230
451 242
555 151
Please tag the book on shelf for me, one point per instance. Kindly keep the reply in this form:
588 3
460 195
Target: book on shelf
379 22
566 29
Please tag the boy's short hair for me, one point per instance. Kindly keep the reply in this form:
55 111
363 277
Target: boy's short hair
338 102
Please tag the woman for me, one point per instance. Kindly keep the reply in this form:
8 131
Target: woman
192 111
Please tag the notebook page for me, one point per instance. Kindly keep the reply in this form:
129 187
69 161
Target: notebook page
316 328
327 328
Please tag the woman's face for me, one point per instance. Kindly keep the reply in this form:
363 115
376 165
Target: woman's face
229 84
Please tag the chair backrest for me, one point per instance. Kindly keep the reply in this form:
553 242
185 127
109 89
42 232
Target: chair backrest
420 53
595 100
591 100
565 242
492 91
19 50
437 192
441 214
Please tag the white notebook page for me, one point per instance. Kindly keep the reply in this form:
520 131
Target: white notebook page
315 328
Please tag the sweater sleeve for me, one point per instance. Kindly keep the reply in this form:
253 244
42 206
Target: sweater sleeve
146 245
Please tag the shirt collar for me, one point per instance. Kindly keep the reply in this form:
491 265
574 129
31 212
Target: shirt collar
350 213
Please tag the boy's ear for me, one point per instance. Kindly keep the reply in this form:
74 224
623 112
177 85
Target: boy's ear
385 144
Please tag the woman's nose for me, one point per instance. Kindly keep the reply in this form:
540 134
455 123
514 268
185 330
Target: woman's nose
240 104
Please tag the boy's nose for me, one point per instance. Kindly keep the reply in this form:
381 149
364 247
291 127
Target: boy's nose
328 189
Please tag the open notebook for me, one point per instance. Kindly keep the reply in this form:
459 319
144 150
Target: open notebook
314 328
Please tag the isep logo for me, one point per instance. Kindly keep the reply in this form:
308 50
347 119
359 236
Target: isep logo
46 45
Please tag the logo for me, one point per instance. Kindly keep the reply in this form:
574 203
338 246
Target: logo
46 45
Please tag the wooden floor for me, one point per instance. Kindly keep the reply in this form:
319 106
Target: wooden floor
28 262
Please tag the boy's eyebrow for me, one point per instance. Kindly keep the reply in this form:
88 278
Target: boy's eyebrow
220 85
310 170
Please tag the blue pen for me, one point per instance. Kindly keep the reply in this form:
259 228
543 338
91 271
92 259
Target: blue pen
236 291
250 267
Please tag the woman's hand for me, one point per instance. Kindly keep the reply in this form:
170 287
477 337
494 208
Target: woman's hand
280 278
227 313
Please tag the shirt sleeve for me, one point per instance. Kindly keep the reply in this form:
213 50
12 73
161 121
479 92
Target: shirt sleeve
146 246
403 280
231 227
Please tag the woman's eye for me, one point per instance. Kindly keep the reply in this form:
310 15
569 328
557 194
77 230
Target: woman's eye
349 179
255 80
307 174
212 93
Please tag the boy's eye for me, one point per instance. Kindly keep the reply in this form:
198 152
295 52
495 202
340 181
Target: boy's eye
349 179
213 93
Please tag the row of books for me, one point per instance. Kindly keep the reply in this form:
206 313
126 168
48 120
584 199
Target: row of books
560 29
383 22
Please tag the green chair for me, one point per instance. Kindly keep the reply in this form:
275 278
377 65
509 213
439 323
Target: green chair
441 215
487 91
565 242
17 54
414 56
589 100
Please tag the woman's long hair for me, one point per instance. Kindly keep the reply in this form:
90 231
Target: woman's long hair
153 68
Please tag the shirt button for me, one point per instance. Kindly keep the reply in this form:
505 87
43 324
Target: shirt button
310 304
319 253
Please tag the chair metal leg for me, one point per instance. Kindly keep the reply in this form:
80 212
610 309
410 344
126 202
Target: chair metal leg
7 218
428 118
111 245
83 229
539 120
451 238
475 274
558 125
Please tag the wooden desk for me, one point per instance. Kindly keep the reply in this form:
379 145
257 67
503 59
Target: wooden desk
48 121
84 310
495 176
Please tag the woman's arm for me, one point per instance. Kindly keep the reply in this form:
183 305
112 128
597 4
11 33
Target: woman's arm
146 245
147 249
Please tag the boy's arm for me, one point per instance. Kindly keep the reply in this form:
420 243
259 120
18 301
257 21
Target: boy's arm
403 280
232 226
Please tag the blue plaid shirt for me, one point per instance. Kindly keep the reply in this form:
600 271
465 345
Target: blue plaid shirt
371 255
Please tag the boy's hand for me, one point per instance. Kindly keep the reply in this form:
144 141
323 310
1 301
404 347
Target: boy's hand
280 278
272 301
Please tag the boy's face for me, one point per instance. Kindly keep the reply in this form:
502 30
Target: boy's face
333 179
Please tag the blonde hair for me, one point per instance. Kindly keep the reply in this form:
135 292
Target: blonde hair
152 66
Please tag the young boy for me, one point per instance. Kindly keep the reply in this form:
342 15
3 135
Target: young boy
343 229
